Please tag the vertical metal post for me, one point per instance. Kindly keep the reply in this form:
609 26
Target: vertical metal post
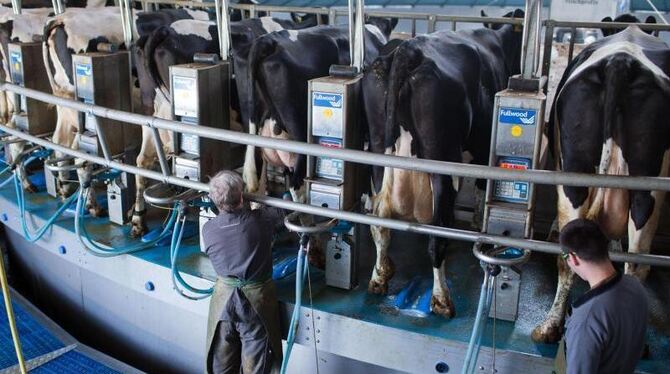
546 56
350 10
530 45
223 28
16 6
359 40
332 16
10 315
571 49
102 140
165 168
126 22
126 13
58 6
432 20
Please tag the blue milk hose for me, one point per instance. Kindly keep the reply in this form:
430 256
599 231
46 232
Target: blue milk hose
300 272
177 279
102 250
32 238
483 308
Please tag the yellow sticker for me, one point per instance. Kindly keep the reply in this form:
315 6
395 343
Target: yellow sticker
327 113
16 66
516 131
83 80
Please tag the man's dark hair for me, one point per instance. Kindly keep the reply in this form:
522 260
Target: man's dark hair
585 239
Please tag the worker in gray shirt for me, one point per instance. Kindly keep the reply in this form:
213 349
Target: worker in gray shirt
243 330
606 330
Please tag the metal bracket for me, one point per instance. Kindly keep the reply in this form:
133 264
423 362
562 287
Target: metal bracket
316 228
163 194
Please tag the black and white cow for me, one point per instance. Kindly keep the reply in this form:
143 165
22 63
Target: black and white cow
148 22
281 64
33 4
610 116
177 44
17 28
77 30
439 105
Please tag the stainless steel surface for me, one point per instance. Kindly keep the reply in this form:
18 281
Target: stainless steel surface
32 116
16 6
160 152
530 45
402 350
291 224
507 293
223 28
489 256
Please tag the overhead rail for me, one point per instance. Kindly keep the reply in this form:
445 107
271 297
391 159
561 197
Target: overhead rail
430 166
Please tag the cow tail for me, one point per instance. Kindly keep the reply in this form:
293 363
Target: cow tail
48 65
261 49
152 42
404 62
616 78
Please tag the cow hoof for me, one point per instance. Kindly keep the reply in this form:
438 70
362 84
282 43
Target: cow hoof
317 258
442 306
378 287
639 271
137 230
66 190
96 211
30 188
547 333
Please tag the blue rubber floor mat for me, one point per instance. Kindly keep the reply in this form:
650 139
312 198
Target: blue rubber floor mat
73 362
36 340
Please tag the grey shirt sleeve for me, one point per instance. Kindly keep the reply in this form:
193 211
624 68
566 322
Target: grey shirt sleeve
273 215
583 349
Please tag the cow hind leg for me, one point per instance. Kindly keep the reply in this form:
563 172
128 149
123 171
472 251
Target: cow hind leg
145 160
15 150
384 267
444 196
549 331
642 224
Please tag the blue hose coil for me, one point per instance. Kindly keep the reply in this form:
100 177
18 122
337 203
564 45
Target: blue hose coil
102 250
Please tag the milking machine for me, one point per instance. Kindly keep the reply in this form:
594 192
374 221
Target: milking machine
516 139
33 117
102 78
200 97
333 183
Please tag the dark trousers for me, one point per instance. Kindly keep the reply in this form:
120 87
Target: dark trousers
241 347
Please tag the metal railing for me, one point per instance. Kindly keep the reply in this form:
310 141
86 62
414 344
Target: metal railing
431 19
429 166
551 25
